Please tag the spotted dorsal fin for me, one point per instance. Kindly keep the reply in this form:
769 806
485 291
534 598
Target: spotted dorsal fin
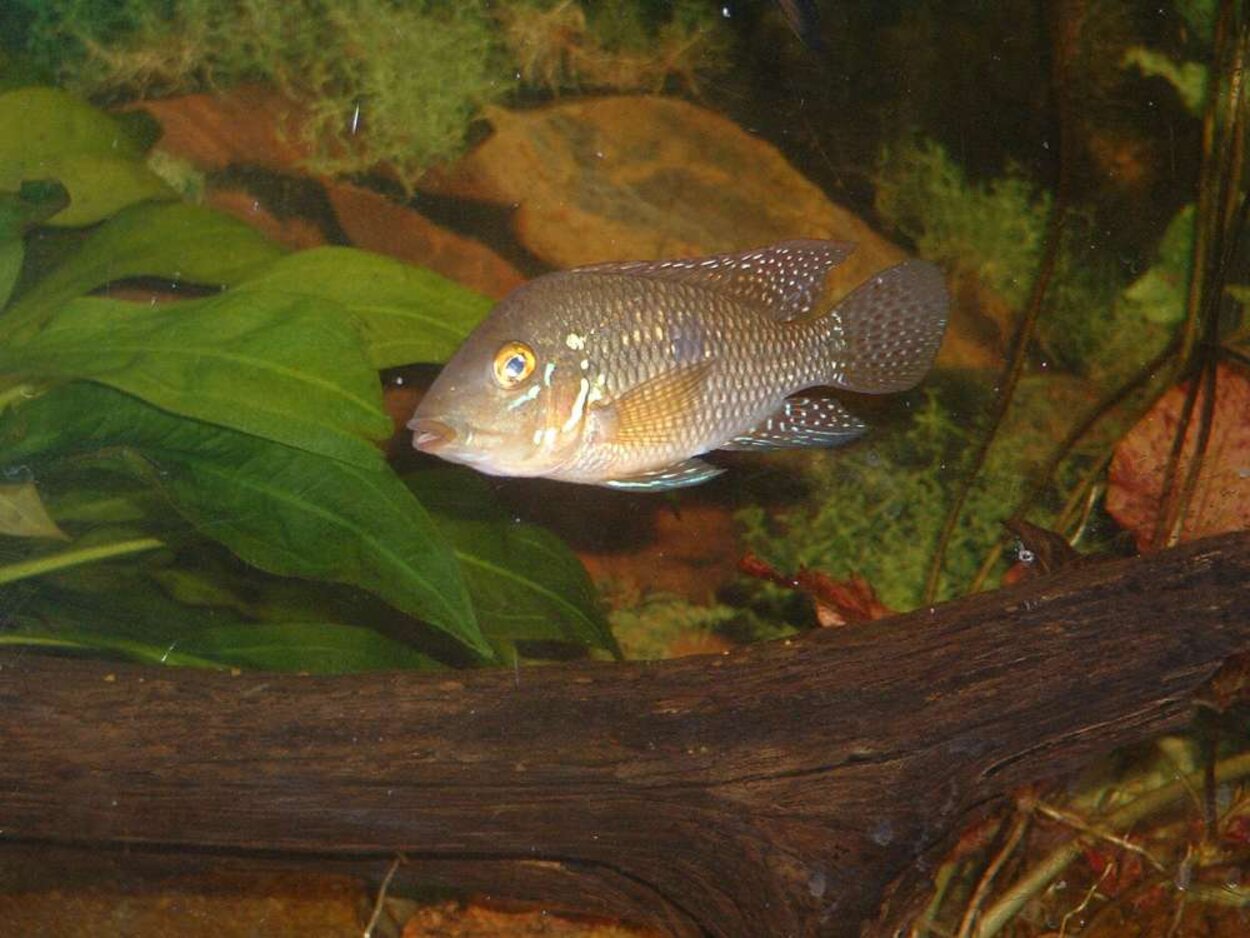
785 281
653 412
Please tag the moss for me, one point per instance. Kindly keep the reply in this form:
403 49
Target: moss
648 627
877 509
379 81
564 46
995 230
382 81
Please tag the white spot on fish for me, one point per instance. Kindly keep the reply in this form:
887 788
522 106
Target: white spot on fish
575 342
584 364
548 372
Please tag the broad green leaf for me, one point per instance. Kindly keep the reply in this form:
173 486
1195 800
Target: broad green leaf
181 243
90 642
307 647
22 513
12 253
405 314
525 583
286 368
281 509
32 203
49 134
315 647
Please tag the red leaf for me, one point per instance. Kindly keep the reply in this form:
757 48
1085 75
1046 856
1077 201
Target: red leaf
1221 499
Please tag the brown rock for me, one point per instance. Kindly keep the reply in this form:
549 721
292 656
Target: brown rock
640 177
248 125
293 231
375 223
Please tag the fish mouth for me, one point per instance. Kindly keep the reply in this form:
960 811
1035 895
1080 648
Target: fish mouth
430 436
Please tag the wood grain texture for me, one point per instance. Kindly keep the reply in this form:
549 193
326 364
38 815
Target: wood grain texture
776 790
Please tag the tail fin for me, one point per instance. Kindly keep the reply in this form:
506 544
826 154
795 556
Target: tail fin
891 326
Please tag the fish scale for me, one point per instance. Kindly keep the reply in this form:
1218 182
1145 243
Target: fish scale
635 368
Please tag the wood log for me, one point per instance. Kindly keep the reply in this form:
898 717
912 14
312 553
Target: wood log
774 790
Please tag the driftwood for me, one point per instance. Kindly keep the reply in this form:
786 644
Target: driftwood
776 790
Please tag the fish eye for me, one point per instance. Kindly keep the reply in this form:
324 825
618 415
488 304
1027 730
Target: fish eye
514 362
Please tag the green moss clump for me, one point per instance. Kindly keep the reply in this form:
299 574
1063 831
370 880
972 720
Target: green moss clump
995 231
376 81
877 509
567 46
382 81
653 625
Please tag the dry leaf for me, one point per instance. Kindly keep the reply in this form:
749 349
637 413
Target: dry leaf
1221 499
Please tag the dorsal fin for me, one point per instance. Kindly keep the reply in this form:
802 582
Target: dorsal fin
784 281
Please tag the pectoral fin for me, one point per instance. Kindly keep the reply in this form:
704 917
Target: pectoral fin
677 476
802 421
654 412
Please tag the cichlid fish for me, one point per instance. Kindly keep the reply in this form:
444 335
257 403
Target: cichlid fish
621 374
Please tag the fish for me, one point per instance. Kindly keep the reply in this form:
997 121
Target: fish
622 374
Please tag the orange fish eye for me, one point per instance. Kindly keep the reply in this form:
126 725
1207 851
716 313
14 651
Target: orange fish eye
514 362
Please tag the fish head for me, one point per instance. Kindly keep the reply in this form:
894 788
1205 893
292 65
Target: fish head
512 400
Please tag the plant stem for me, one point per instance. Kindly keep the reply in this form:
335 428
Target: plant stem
1046 870
78 555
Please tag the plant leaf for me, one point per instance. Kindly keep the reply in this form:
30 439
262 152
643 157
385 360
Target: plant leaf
281 509
405 314
315 647
525 583
12 253
49 134
182 243
22 513
31 204
286 368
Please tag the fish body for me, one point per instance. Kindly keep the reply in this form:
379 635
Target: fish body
620 374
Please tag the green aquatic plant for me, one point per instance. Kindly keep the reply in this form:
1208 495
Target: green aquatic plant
648 627
371 81
876 509
375 81
994 231
566 45
172 468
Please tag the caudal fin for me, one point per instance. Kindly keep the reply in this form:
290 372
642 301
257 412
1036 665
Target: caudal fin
891 326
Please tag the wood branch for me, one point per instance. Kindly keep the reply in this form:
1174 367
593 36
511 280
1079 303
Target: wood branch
774 790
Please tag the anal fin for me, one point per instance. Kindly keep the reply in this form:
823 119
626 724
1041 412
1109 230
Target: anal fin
679 475
802 421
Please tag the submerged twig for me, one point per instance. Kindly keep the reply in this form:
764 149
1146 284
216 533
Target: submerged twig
1049 867
1216 238
1065 27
